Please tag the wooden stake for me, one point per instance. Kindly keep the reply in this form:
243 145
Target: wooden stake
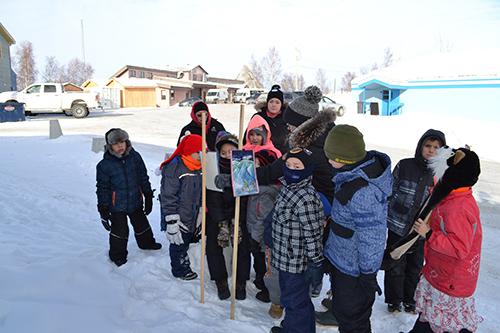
236 222
203 202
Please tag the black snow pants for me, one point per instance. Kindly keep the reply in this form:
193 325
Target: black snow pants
118 237
401 281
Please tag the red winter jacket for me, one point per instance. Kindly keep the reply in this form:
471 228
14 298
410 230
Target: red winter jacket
453 250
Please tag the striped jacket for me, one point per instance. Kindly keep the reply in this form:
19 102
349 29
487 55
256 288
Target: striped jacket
297 227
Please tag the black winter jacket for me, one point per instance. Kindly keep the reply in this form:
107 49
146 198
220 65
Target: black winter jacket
193 128
411 183
121 182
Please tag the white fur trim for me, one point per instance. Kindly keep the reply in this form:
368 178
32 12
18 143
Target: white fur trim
438 164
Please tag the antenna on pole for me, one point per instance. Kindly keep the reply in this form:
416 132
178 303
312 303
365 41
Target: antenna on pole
83 43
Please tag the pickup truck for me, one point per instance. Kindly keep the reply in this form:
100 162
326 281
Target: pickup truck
51 98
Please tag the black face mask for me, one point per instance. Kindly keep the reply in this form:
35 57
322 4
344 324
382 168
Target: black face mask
295 176
224 165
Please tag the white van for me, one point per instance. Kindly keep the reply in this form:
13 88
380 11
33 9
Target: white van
243 94
216 96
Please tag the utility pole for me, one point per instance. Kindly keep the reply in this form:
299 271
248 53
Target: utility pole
83 42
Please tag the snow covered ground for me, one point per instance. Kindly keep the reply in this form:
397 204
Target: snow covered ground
54 272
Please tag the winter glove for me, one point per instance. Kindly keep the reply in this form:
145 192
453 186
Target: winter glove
223 236
105 216
174 230
369 283
222 181
148 202
240 234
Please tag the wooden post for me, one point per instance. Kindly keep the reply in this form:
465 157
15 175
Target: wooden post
203 202
236 222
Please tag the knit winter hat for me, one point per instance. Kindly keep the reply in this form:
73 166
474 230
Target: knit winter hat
225 137
303 107
275 92
115 135
200 106
259 131
345 144
266 157
189 144
304 155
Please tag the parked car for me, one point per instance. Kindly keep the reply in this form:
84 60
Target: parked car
189 101
243 94
217 96
51 98
326 102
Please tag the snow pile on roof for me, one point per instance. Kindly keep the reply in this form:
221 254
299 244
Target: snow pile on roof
474 64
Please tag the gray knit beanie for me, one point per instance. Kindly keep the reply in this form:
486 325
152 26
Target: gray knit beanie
304 107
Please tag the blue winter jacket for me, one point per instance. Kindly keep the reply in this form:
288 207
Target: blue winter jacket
121 182
359 211
180 194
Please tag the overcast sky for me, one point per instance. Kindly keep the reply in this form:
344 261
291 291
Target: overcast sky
222 35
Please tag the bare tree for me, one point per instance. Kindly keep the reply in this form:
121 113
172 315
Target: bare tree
288 82
301 83
25 65
76 71
374 67
322 81
256 69
52 72
388 58
345 84
271 67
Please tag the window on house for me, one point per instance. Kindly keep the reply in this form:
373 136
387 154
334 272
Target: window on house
196 77
172 94
163 95
133 73
141 74
149 75
49 88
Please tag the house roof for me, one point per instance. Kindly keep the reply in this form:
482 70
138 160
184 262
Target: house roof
127 67
147 83
6 35
477 67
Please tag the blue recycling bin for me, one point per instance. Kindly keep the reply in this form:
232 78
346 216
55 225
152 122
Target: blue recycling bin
11 112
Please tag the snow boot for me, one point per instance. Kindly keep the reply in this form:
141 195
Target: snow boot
259 282
326 318
241 290
275 311
154 246
120 262
189 276
394 307
263 295
410 308
222 289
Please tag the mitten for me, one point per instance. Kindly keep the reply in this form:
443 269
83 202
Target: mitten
105 216
148 202
223 236
174 230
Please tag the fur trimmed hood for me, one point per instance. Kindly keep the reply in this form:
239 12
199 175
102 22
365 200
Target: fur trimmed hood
260 106
306 134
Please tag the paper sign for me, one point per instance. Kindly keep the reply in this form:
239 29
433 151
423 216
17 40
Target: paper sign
244 175
212 170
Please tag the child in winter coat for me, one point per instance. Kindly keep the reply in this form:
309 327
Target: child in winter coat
194 127
297 232
180 200
444 295
220 219
259 206
412 180
355 246
259 136
122 182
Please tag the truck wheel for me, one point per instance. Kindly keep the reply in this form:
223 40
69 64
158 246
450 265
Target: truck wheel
340 111
79 111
